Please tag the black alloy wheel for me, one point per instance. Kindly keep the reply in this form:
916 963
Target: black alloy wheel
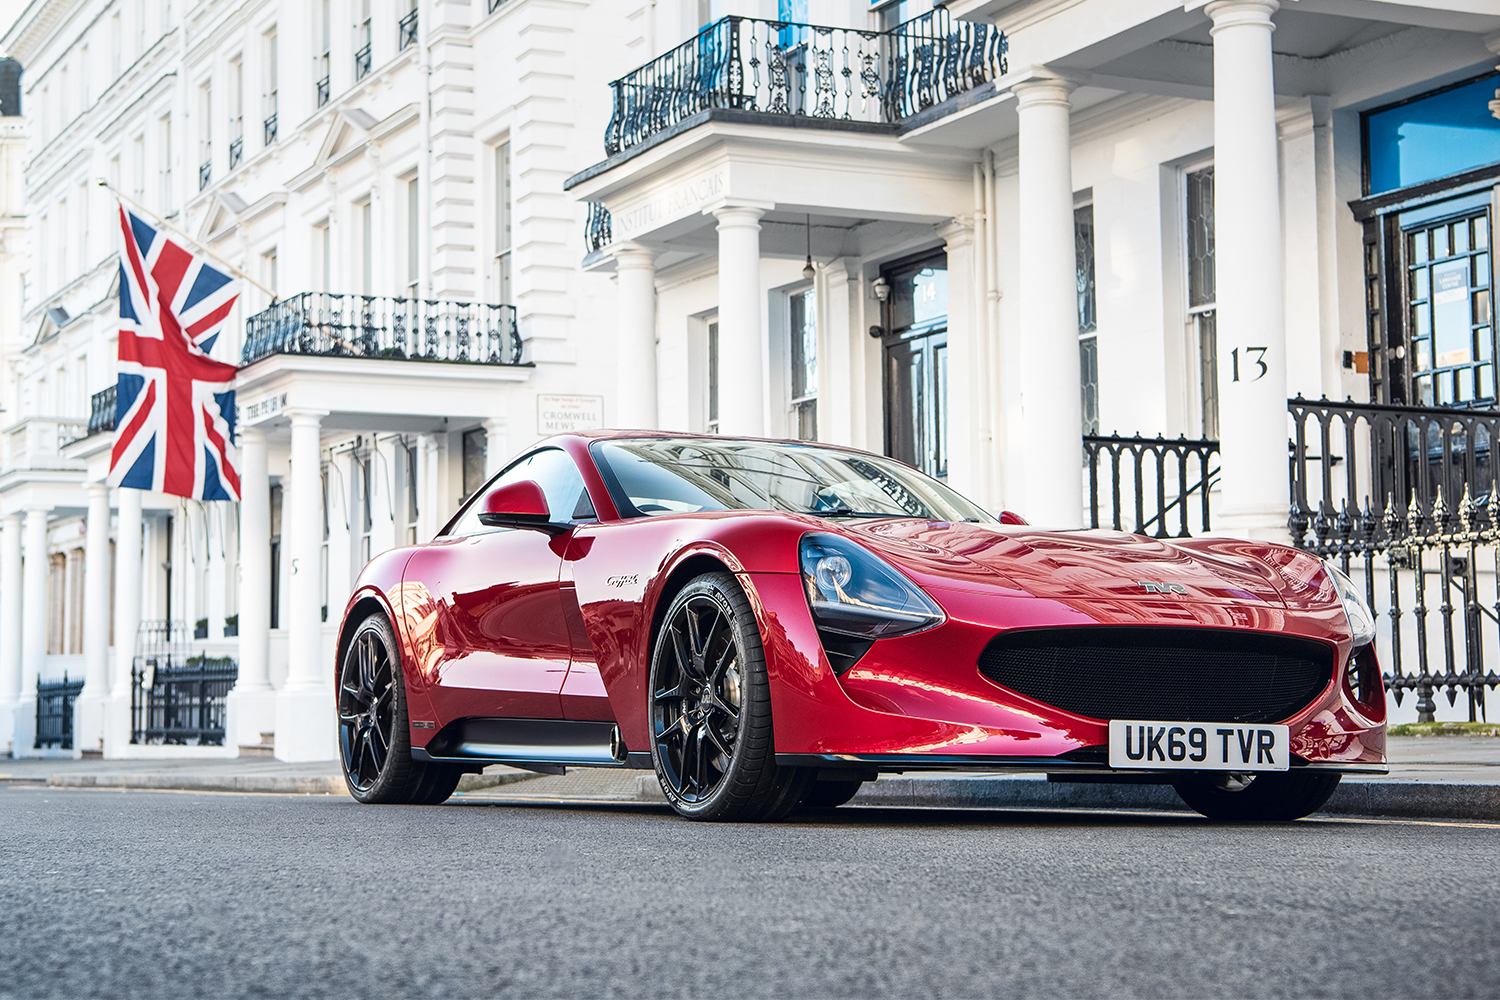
711 709
374 733
1275 796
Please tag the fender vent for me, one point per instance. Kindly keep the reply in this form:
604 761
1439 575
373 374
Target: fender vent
1189 674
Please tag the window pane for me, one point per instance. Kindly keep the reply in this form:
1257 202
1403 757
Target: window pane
1088 368
1083 246
1200 237
1432 137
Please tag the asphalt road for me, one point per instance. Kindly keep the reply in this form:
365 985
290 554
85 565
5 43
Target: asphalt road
168 895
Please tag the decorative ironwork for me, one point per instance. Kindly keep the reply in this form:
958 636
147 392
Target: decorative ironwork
333 324
596 229
205 173
270 129
236 153
102 411
1166 481
177 698
406 32
323 91
54 712
362 63
806 70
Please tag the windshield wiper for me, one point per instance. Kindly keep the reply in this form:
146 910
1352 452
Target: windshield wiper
851 512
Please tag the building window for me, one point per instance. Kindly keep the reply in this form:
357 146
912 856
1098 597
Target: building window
362 39
413 237
1088 324
406 464
366 504
324 60
268 269
502 223
713 377
57 594
367 248
802 308
276 556
1434 135
1451 332
236 112
323 247
474 444
406 30
164 161
1201 285
138 168
206 135
269 100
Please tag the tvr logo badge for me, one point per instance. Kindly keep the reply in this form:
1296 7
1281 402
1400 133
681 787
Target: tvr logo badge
1153 587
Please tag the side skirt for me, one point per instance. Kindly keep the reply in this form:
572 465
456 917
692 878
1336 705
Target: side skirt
548 746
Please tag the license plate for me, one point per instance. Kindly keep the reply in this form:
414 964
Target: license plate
1198 746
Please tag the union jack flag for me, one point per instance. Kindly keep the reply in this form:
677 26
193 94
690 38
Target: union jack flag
174 409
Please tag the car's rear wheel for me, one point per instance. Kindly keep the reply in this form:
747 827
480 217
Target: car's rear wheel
374 734
711 710
1273 796
830 794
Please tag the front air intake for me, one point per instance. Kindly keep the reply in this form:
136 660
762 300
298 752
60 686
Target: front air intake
1188 674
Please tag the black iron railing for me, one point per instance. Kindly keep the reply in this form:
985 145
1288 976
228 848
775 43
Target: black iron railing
596 229
270 129
495 5
380 326
102 410
805 70
205 173
177 697
362 63
1151 486
54 712
323 91
406 32
236 153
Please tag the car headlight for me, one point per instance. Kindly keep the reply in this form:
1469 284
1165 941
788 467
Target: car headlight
1361 618
854 592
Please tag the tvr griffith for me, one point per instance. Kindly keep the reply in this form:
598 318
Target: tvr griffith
769 624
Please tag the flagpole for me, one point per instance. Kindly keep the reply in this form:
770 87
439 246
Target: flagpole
167 225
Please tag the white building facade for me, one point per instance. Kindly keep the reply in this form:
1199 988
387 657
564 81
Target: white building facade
965 237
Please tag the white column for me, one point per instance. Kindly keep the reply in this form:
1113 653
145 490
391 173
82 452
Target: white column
251 707
10 627
88 724
1251 292
1050 470
742 349
967 461
496 445
127 622
635 272
33 629
304 707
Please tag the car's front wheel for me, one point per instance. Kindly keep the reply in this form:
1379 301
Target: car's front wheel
374 734
1268 796
711 709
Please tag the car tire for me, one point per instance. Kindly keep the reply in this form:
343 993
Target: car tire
1266 797
709 707
374 734
830 794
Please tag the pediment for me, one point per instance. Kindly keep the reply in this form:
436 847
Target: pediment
348 129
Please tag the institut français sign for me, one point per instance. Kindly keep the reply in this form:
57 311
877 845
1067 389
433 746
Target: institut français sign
677 201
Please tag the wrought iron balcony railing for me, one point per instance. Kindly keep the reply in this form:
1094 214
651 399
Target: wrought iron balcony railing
805 70
236 153
102 411
270 127
1152 486
323 91
362 63
596 229
330 324
205 173
406 31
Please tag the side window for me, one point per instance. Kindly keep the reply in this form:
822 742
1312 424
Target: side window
554 472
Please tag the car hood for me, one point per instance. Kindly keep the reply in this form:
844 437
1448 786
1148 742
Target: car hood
1096 565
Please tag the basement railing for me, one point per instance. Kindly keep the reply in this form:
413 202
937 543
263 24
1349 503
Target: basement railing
330 324
1150 486
806 71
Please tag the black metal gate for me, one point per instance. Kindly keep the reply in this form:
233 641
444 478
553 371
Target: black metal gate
176 697
54 712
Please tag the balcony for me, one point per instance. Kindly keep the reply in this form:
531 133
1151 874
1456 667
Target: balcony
597 228
335 325
205 173
102 411
38 442
788 70
270 129
406 32
323 91
236 153
362 63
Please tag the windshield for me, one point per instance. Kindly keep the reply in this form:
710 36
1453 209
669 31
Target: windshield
676 475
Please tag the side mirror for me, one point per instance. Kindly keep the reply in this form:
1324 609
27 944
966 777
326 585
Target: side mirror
1011 517
517 505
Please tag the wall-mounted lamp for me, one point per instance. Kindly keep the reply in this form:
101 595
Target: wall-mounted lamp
881 288
807 269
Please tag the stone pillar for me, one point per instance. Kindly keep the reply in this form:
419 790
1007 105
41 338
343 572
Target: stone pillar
88 720
496 445
251 707
305 707
128 584
1050 470
636 347
33 629
1251 317
742 354
10 627
967 392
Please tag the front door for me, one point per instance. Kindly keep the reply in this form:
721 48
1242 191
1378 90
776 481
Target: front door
916 364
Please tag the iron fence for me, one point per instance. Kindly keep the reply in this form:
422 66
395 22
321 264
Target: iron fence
1149 484
596 229
177 697
102 410
332 324
806 70
54 712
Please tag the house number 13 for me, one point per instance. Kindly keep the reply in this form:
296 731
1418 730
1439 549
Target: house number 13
1259 359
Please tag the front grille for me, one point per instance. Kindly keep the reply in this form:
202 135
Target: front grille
1172 674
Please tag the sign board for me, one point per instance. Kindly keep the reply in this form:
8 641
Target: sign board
262 409
562 414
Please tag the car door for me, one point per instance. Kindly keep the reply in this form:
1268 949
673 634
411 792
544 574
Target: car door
492 638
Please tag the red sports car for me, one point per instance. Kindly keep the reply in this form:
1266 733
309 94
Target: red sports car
768 624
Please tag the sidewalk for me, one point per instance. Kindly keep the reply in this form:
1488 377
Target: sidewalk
1437 777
